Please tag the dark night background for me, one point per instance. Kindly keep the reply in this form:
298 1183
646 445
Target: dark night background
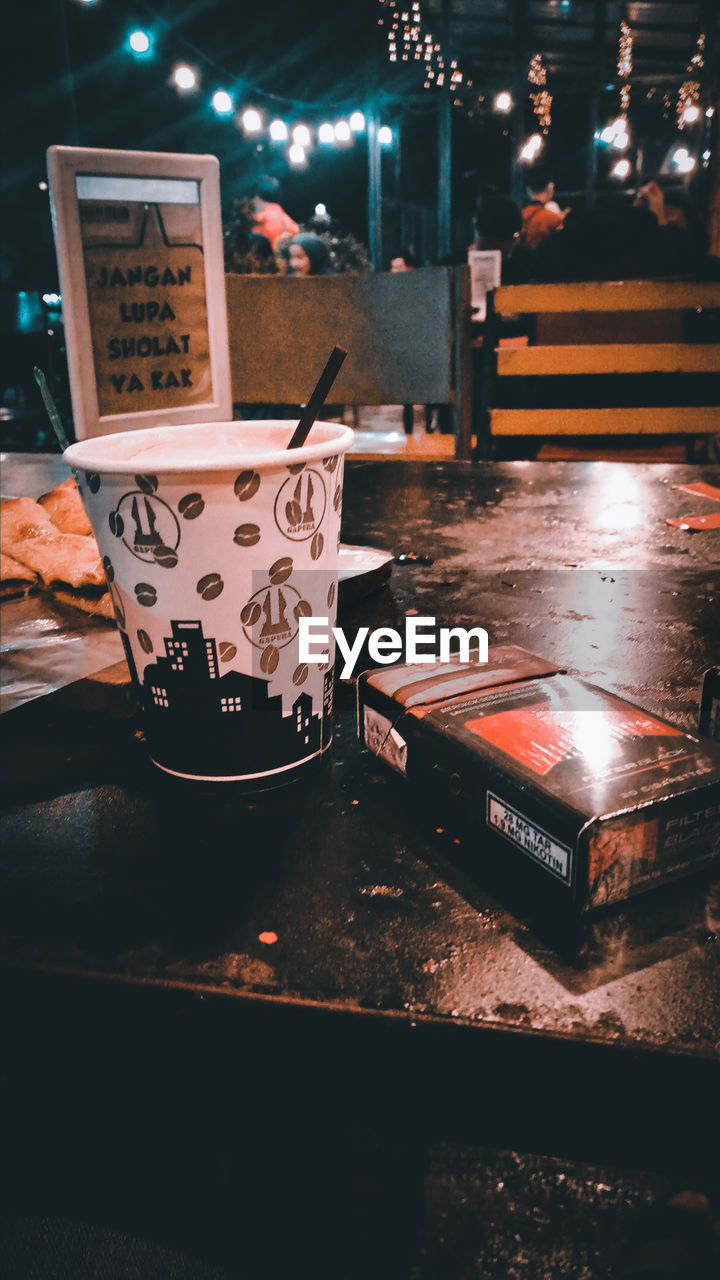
300 62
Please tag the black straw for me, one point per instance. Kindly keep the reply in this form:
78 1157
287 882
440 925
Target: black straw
52 409
318 398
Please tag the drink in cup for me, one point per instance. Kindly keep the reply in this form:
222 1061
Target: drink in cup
216 539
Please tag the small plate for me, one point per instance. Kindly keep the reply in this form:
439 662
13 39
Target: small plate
361 571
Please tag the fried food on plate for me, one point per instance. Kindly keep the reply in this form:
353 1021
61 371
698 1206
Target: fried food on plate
64 507
15 578
89 599
29 535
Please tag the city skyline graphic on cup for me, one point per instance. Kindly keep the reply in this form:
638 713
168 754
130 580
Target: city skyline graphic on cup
209 575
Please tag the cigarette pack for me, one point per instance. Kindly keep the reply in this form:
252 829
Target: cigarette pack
584 791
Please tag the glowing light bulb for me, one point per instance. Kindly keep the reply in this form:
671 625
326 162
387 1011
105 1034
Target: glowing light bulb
326 133
621 169
691 113
385 135
278 131
503 102
222 103
296 154
684 161
342 131
185 77
139 42
531 147
357 122
251 120
301 136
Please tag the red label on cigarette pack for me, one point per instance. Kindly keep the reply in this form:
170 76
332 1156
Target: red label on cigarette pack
540 737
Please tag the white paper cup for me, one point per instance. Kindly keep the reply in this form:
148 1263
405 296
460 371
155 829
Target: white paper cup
216 539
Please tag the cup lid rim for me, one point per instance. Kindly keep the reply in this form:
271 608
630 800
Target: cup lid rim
82 455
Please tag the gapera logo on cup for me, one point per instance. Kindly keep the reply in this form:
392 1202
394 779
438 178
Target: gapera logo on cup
147 526
300 505
270 618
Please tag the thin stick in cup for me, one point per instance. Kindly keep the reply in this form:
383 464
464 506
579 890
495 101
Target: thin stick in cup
318 398
51 407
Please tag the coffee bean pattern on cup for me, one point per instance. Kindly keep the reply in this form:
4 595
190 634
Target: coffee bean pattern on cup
250 614
293 511
246 485
280 571
269 659
146 594
191 506
166 557
246 535
210 586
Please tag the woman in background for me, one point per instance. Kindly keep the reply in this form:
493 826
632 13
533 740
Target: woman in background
309 255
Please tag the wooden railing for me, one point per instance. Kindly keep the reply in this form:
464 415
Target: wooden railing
610 305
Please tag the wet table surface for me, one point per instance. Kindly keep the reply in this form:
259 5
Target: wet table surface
346 897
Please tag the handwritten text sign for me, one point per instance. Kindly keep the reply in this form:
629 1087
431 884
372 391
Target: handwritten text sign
148 318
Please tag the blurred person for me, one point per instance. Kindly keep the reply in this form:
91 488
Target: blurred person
659 235
246 253
674 209
309 255
405 260
498 222
498 225
541 215
269 217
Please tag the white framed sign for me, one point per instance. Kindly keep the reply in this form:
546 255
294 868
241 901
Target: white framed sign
485 268
138 236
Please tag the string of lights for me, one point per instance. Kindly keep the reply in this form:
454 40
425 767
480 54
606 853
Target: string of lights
254 120
688 106
169 31
410 40
625 65
540 96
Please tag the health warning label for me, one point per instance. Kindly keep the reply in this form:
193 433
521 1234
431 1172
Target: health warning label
529 837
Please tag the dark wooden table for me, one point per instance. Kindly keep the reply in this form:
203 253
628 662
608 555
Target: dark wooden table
402 998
